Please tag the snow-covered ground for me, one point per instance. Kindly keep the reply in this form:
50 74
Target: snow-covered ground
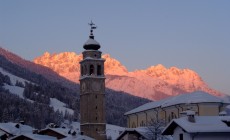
13 78
112 131
58 105
15 90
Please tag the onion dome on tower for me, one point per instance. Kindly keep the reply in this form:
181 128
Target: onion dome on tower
91 44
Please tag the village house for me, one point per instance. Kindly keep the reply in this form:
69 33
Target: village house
13 129
193 127
133 134
202 103
33 137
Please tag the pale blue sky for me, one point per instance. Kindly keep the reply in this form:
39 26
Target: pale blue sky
187 34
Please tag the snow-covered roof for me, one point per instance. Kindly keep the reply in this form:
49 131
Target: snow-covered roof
37 137
90 58
91 41
222 113
188 98
12 129
141 130
201 124
78 137
62 131
2 133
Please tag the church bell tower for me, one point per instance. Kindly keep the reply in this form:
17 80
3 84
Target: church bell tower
92 90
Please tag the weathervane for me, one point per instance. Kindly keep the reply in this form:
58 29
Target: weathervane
92 25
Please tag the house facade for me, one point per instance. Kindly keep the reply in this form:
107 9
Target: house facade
194 127
202 103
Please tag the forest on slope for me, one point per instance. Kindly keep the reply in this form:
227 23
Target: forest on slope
41 89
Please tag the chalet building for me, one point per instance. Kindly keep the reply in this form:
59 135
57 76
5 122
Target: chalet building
92 90
202 103
54 132
133 134
13 129
194 127
33 137
63 134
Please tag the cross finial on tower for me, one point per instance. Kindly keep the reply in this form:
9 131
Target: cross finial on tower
92 25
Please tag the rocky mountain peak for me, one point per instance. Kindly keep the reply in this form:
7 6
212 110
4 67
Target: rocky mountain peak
155 82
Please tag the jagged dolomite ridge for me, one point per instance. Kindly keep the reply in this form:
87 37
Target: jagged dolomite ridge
155 82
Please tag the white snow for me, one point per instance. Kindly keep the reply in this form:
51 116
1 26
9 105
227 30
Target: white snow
13 78
10 128
37 137
15 90
91 41
2 133
203 124
194 97
58 105
113 131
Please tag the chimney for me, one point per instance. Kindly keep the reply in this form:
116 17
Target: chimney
17 125
191 116
74 133
22 122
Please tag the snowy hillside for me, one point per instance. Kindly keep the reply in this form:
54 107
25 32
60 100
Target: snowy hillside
13 78
56 104
46 90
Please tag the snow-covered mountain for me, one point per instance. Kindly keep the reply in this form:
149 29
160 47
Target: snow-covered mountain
17 90
39 88
155 82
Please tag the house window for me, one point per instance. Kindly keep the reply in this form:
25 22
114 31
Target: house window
96 107
142 123
91 70
98 69
133 125
96 96
181 137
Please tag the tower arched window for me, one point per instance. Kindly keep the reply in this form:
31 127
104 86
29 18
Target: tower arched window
85 70
91 72
99 70
82 71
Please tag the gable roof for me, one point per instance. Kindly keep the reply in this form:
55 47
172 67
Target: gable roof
34 137
60 132
202 124
188 98
78 137
11 128
141 131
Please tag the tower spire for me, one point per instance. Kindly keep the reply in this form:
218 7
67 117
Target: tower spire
92 27
91 44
